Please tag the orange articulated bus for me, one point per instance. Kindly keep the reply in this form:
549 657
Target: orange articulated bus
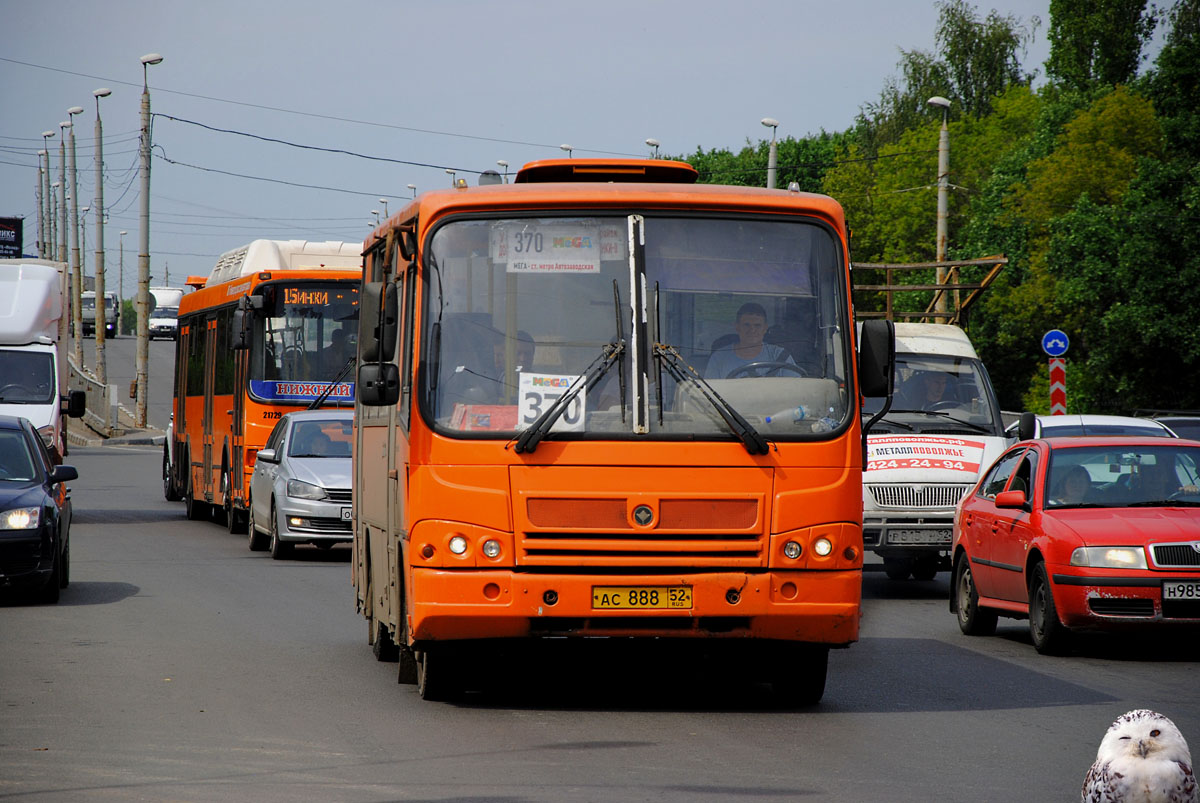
256 339
606 401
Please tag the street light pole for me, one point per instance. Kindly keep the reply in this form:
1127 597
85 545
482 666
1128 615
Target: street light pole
384 202
121 275
62 190
41 224
502 163
413 187
942 197
143 295
101 300
47 202
76 264
773 124
653 143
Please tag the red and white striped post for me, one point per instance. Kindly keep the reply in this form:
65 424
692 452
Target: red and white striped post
1058 386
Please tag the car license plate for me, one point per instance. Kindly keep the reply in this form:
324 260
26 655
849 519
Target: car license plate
346 513
641 597
1176 590
941 536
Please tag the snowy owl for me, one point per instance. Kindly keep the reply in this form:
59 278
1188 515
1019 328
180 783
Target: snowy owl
1142 757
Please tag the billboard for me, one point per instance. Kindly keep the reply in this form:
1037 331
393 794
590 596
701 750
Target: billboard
11 231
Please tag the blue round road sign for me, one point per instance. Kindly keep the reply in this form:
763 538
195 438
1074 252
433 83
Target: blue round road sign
1055 342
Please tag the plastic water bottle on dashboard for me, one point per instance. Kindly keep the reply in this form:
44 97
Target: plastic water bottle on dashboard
793 415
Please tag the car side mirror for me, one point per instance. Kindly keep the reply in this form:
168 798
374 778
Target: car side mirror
378 384
76 404
1027 428
266 456
1010 499
63 474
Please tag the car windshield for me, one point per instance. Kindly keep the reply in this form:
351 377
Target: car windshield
26 377
1123 476
16 463
521 310
165 312
938 394
321 438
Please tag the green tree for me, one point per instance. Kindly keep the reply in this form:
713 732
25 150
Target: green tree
1174 84
1097 42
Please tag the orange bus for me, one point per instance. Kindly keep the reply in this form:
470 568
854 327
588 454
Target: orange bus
606 401
256 339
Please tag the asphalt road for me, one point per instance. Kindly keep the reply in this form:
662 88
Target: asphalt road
181 666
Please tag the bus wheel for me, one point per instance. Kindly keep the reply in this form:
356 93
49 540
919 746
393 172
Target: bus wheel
798 676
258 541
235 519
170 492
437 677
280 549
194 508
382 646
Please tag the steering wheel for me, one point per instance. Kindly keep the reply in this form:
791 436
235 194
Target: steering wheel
14 386
773 368
943 405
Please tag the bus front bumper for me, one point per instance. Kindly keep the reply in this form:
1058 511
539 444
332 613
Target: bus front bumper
819 607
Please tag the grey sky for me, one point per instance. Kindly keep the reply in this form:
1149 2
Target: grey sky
487 75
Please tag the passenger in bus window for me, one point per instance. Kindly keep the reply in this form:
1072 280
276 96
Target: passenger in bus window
335 355
490 385
728 362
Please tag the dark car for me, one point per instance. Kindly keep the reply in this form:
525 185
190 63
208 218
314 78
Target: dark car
1082 533
35 513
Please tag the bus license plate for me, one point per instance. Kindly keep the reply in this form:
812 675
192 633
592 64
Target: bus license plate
345 514
1181 590
641 597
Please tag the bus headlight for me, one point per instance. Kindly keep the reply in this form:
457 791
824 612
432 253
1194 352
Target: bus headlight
297 489
823 546
791 550
491 548
458 545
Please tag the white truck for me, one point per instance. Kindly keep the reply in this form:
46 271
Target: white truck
164 311
943 428
33 364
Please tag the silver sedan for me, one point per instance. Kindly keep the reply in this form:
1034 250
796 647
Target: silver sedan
300 490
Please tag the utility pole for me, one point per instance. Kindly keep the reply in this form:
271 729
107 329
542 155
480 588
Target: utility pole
76 263
61 211
37 191
143 295
101 300
942 198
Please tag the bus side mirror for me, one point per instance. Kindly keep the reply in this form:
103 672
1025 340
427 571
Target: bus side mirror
378 384
876 354
240 340
379 321
76 404
1027 427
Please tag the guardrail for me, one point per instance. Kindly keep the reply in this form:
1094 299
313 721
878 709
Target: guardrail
101 412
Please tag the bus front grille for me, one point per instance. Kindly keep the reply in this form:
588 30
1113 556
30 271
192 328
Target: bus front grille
640 550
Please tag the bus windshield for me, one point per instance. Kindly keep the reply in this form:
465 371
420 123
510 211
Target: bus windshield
306 332
700 317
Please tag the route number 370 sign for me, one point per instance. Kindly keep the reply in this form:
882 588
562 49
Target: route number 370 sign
539 392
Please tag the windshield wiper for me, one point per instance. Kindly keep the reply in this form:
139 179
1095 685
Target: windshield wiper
317 402
751 438
528 440
943 414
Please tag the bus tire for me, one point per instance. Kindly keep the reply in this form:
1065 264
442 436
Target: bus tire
437 675
257 541
798 675
193 507
280 549
170 492
235 519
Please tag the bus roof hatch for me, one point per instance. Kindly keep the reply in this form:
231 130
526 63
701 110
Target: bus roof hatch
642 171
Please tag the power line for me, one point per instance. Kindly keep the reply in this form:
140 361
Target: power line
263 178
335 118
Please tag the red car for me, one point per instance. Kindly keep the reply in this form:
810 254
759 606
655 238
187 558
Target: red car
1087 533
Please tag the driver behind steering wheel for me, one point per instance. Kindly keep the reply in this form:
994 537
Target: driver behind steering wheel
926 390
751 327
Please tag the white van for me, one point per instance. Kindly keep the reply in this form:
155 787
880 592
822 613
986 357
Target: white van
942 429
